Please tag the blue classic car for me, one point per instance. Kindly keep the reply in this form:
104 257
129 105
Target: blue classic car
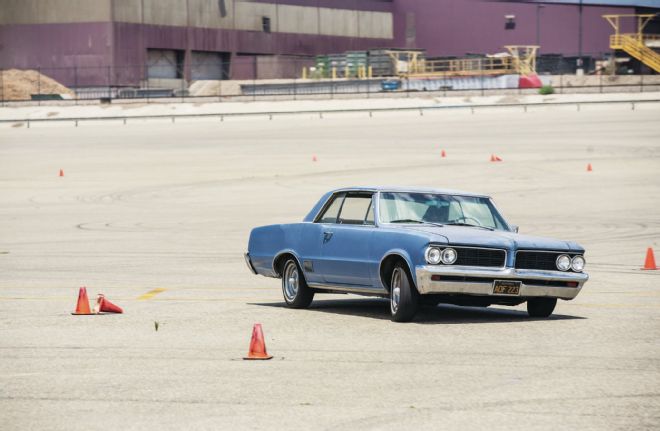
415 246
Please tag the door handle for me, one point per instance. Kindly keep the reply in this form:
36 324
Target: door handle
326 236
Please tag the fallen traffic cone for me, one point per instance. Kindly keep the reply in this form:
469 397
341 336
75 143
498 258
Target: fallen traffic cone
257 344
105 306
589 168
649 263
61 172
497 159
82 308
494 158
443 154
313 158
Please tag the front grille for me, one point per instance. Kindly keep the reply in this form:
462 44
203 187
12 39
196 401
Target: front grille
480 257
544 260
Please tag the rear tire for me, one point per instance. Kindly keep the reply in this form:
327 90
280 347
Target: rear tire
404 298
541 307
294 287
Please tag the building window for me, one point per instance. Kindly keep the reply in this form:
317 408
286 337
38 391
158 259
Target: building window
509 22
265 24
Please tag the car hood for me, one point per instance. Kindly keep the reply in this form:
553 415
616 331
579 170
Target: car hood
464 235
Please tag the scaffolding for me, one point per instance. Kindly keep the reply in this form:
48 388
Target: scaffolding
520 59
635 44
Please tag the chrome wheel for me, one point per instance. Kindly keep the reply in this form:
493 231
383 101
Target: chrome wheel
291 281
395 295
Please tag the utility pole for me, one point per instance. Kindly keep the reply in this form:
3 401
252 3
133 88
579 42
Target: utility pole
579 61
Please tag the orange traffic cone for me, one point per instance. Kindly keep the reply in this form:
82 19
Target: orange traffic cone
492 157
589 168
105 306
61 172
443 154
82 308
497 159
649 263
257 344
314 158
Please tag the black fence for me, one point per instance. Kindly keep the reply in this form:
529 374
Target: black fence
291 79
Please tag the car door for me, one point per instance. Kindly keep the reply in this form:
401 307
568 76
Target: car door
346 243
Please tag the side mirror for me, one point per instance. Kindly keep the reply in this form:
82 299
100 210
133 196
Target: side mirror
514 228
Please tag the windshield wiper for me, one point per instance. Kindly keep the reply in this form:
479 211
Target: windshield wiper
408 220
470 225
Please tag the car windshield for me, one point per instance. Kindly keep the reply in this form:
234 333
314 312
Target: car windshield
439 209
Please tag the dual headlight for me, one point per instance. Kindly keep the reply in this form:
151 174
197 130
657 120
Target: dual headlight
564 263
435 255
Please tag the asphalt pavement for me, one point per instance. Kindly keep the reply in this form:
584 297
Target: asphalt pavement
156 216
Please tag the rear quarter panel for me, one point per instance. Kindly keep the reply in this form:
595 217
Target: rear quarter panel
267 242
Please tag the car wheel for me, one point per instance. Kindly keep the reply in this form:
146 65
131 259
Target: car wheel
294 287
404 298
541 307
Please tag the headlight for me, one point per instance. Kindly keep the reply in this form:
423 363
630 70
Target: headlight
449 256
563 262
432 255
577 264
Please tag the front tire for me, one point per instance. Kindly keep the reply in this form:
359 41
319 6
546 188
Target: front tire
294 287
541 307
404 298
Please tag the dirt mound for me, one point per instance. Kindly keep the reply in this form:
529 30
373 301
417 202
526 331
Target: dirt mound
22 84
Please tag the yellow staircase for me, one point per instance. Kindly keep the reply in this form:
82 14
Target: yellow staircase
635 43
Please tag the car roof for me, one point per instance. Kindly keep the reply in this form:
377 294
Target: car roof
409 190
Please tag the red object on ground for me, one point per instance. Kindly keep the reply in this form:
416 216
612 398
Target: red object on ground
257 344
529 81
443 154
589 168
314 158
105 306
82 307
494 158
649 263
61 173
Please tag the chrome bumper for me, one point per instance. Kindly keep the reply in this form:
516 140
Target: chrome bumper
532 281
249 262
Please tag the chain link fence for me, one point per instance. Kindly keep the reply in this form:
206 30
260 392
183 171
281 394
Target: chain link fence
258 78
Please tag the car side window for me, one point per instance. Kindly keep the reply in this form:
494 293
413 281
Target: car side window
332 210
355 209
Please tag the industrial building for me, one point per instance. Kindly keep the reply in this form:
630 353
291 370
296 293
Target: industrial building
123 42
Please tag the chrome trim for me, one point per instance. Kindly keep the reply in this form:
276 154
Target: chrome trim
425 285
455 246
350 289
426 254
570 262
442 256
249 263
583 265
568 253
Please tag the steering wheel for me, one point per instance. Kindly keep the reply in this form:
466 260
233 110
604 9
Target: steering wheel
466 218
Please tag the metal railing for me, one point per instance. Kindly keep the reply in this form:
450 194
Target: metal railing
253 81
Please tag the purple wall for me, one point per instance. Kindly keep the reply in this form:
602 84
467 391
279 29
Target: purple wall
372 5
58 49
133 40
458 27
115 53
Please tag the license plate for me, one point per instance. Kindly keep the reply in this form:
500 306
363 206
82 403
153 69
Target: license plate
506 287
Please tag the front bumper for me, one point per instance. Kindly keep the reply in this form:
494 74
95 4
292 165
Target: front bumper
461 280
